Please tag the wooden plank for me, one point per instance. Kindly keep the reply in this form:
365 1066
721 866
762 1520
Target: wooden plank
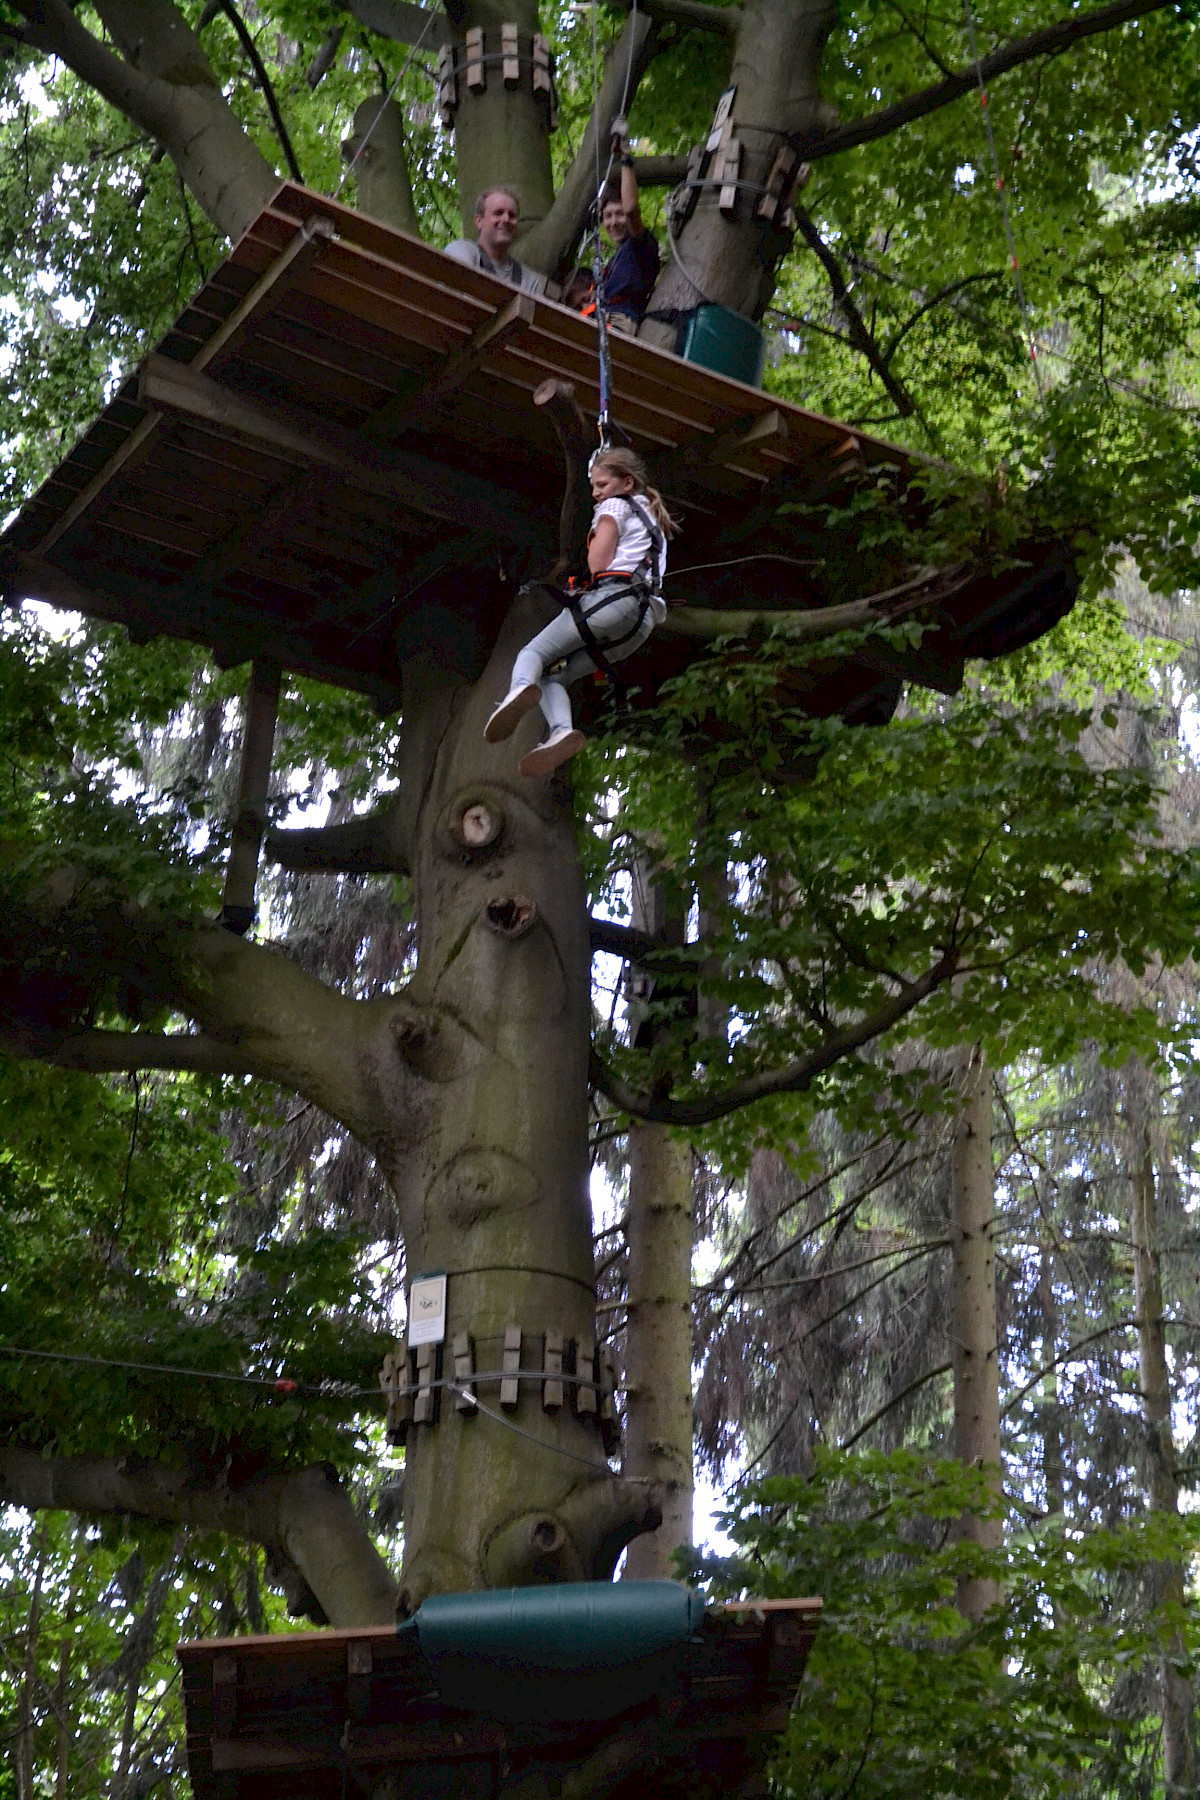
416 483
692 460
459 1740
307 242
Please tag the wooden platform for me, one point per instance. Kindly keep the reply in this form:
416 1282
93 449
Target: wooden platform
328 1713
334 459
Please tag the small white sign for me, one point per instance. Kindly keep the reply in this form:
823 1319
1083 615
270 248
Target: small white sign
724 108
427 1310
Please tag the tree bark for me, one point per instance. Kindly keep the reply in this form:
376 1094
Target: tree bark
658 1340
1167 1579
62 1721
658 1234
379 164
1053 1465
492 1178
974 1348
732 260
305 1516
501 133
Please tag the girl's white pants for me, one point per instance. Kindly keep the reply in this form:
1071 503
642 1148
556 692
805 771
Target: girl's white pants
612 623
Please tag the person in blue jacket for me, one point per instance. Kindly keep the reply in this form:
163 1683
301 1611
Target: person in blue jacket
632 270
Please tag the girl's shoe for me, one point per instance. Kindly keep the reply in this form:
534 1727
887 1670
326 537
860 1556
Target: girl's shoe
563 743
511 710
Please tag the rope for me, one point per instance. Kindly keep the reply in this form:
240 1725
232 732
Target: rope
280 1384
408 62
1008 231
589 1462
603 424
457 1383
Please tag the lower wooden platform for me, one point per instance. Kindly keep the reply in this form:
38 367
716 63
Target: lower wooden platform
331 1714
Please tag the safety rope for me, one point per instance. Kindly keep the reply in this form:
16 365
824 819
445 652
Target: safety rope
603 348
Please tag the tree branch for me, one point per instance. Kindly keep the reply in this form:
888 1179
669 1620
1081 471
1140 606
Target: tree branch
306 1514
554 238
793 1078
660 171
882 1412
724 20
1049 41
401 20
856 326
122 1052
635 946
165 86
370 845
264 81
708 622
363 1061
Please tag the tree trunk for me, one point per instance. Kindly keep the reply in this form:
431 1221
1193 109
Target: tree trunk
1167 1583
658 1340
62 1722
1053 1465
501 133
375 149
731 257
975 1357
490 1162
24 1757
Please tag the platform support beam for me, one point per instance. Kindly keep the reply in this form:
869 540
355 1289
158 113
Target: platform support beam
258 742
576 441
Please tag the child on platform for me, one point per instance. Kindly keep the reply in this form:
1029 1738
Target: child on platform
627 554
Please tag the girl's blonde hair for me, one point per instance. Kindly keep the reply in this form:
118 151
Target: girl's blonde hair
628 463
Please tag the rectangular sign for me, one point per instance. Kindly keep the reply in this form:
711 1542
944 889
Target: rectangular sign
427 1310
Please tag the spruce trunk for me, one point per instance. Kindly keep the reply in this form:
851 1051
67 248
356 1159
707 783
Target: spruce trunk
975 1358
658 1340
1167 1582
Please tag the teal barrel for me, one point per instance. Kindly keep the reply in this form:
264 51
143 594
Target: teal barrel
578 1650
725 341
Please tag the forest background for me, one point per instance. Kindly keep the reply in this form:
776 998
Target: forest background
1044 1110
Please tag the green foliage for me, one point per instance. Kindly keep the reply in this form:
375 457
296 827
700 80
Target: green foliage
902 1698
964 830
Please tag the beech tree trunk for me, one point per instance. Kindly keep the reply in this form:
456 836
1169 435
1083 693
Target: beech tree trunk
731 258
489 1156
973 1333
1162 1488
501 133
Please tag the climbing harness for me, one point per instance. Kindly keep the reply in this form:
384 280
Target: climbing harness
644 583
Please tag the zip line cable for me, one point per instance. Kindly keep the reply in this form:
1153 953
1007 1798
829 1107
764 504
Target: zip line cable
969 16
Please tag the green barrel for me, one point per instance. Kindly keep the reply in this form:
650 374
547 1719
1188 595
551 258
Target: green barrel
725 341
576 1650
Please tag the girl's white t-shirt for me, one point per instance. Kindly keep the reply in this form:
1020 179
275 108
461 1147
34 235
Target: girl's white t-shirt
634 543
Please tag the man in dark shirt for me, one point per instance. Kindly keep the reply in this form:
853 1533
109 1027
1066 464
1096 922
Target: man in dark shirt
632 270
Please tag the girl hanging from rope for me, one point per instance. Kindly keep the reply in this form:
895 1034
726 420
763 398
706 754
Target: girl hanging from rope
613 616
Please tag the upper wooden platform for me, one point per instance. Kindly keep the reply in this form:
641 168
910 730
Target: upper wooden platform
317 1715
334 459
